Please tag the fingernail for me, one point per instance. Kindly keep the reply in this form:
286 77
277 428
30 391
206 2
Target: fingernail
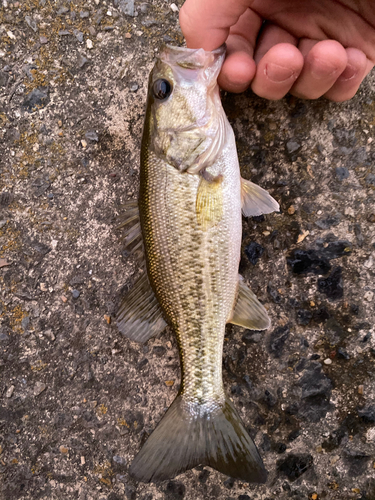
278 74
349 73
321 70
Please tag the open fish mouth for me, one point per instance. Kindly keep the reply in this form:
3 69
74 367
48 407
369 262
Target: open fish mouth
191 58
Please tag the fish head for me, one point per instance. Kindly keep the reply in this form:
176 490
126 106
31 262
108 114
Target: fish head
185 118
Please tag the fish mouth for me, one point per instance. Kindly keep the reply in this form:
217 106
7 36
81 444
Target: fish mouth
193 59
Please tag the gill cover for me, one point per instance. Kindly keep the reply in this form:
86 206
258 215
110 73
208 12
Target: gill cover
186 122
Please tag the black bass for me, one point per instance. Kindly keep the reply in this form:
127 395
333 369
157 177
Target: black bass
190 203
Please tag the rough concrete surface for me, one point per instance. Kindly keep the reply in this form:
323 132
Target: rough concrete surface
78 399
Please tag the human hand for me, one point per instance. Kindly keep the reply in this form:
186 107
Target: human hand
310 48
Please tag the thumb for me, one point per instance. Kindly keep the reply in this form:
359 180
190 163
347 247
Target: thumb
206 23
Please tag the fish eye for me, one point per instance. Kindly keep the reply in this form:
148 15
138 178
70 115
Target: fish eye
161 89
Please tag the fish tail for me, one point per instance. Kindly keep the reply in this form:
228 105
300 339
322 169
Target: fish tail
189 436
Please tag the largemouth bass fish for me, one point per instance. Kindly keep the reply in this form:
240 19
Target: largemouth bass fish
190 203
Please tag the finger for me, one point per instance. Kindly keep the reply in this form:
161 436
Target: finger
324 63
350 79
207 24
239 67
277 71
271 35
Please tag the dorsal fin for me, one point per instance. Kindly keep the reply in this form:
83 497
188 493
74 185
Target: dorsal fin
129 222
140 316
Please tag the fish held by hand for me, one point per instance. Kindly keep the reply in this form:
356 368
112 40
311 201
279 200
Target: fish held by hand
190 223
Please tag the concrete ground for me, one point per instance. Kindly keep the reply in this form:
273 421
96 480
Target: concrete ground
77 398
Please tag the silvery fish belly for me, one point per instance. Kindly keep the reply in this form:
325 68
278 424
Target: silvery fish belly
189 220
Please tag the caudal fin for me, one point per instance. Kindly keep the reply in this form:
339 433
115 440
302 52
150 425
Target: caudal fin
186 438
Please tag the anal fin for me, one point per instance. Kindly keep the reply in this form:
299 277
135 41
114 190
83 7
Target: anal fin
140 316
248 311
255 200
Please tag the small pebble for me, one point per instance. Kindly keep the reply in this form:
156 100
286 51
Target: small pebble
107 318
76 294
50 335
128 35
31 23
62 10
63 449
328 361
43 40
368 296
341 353
291 210
371 218
84 143
43 287
91 135
360 389
81 61
302 236
89 44
134 87
9 391
292 146
63 298
79 35
39 388
169 383
174 7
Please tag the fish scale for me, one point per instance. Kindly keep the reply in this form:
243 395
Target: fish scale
191 270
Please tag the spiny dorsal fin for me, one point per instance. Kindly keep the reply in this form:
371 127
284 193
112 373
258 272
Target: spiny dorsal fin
130 223
248 311
140 316
209 204
255 200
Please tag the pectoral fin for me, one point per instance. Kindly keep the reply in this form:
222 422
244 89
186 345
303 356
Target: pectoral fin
248 311
129 222
140 316
209 204
255 200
